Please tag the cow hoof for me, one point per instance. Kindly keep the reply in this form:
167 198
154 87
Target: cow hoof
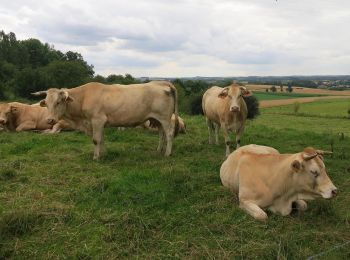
301 205
261 216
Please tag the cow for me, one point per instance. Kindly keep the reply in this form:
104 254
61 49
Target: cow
152 127
15 116
225 108
265 179
92 106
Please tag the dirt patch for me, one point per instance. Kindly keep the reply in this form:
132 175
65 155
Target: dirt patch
283 102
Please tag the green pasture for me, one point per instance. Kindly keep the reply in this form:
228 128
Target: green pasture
281 95
325 108
56 203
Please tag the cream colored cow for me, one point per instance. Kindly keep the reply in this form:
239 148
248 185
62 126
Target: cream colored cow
225 108
19 117
91 107
182 126
265 179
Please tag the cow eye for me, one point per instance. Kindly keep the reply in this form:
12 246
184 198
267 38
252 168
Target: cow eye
315 173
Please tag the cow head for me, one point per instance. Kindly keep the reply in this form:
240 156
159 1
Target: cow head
6 112
234 94
56 102
311 175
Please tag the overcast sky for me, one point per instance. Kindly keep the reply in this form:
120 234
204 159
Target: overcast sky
191 37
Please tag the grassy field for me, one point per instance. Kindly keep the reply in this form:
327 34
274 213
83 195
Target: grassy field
55 202
324 108
281 95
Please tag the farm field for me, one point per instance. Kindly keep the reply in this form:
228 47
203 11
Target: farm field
281 95
55 202
300 90
324 108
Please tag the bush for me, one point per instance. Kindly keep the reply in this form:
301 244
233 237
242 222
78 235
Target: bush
253 107
196 105
296 107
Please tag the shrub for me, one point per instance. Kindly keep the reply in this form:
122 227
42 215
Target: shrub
273 89
196 105
253 107
296 107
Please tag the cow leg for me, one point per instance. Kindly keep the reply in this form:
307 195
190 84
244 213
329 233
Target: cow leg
161 143
26 126
217 128
238 137
55 129
227 139
210 130
252 209
169 135
301 205
97 137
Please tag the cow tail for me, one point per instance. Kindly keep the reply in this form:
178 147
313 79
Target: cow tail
176 109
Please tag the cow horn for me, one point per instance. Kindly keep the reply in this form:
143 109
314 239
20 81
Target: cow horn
39 93
321 152
309 157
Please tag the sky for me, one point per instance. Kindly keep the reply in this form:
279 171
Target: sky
185 38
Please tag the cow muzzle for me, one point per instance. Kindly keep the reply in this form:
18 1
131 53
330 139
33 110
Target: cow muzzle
2 121
234 109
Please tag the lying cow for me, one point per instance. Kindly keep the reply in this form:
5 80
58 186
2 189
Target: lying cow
182 126
225 108
19 117
91 107
265 179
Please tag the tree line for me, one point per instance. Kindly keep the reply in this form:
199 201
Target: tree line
29 65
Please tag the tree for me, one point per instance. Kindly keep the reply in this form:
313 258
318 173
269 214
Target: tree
67 73
289 89
273 89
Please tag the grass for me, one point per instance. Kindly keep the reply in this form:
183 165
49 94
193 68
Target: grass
324 108
281 95
55 202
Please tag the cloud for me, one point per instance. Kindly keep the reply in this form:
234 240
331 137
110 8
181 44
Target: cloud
192 37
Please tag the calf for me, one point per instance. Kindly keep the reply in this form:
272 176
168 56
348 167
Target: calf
182 126
265 179
19 117
225 108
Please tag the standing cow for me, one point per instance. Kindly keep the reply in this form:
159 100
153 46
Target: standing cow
225 108
91 107
19 117
265 179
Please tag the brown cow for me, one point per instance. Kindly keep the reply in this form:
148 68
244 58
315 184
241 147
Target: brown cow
225 108
92 106
18 117
265 179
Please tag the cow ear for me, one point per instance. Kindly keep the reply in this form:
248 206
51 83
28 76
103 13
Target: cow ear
13 109
296 165
245 92
66 96
43 103
69 99
223 93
